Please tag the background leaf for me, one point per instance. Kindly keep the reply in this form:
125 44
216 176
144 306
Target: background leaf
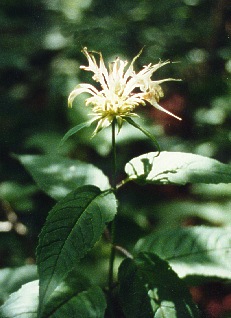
177 168
150 288
23 303
87 303
171 214
58 176
192 251
144 131
19 194
72 228
11 279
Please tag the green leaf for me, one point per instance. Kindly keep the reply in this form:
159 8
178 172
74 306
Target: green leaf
18 195
211 192
144 131
90 304
170 214
72 228
75 129
11 279
69 298
23 303
177 168
192 251
150 288
74 294
58 176
72 284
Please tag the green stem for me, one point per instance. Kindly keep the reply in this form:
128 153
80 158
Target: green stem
113 224
114 167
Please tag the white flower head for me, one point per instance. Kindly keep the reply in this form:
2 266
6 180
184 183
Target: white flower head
121 89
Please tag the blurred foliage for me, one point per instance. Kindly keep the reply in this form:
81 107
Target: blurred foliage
11 279
41 42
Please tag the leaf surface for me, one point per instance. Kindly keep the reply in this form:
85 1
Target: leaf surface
77 128
177 168
192 251
58 176
23 303
75 295
68 300
90 304
72 228
150 288
11 279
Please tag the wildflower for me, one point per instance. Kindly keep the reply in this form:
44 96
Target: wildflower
121 90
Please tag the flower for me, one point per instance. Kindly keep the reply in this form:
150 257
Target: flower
121 89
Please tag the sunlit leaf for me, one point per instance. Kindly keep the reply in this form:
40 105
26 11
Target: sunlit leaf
11 279
150 288
173 213
213 191
177 168
72 228
23 303
58 176
69 299
192 251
